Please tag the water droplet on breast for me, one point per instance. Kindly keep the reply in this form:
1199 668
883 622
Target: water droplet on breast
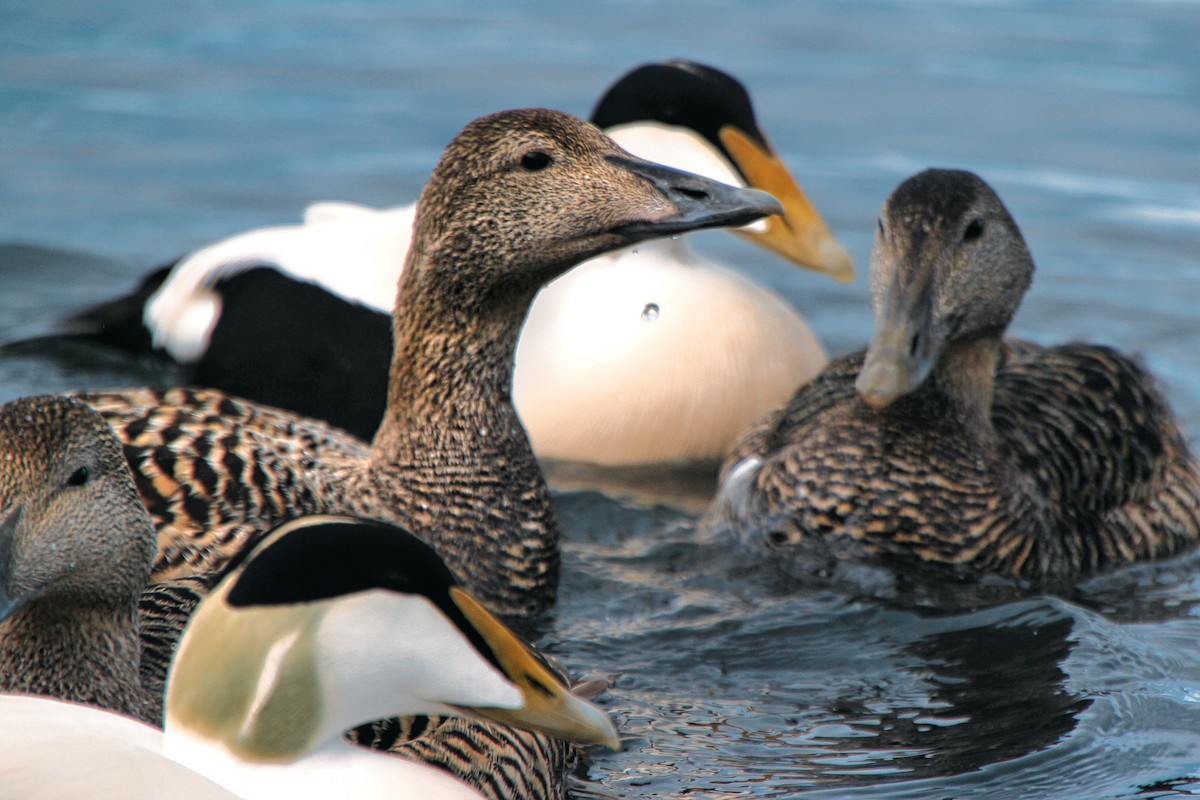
650 312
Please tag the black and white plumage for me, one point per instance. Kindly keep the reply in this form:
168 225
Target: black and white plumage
650 356
947 452
329 622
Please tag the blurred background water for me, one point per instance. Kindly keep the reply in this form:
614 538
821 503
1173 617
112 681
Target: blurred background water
130 133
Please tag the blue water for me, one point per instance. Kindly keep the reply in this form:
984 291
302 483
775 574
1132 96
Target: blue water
130 132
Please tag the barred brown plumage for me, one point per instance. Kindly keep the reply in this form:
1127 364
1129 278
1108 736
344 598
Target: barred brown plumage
163 611
944 452
500 761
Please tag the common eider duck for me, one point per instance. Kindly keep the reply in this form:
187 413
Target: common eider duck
949 453
646 355
76 546
517 199
329 622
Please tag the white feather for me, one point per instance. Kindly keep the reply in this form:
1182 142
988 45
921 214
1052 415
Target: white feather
53 750
354 251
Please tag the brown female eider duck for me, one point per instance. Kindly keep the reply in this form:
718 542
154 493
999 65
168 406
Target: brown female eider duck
76 546
517 199
947 451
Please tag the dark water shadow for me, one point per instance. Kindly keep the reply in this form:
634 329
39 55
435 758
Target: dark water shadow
998 693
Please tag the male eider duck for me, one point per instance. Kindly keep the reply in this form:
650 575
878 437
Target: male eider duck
644 356
948 452
517 199
328 623
76 546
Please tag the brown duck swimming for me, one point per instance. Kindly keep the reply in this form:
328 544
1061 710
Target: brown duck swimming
517 199
945 450
76 546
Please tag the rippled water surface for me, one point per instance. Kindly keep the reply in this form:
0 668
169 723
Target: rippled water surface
130 133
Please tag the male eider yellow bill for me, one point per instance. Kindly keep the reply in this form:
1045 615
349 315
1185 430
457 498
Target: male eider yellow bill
948 452
644 356
518 198
328 623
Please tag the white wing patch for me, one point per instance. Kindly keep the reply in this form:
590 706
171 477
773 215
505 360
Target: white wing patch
353 251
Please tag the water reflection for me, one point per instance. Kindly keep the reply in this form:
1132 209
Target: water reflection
727 684
998 693
985 691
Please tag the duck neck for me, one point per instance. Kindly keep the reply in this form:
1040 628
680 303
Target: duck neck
451 451
451 362
966 375
79 650
672 251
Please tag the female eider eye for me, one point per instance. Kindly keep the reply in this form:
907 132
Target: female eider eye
879 226
974 230
79 477
535 160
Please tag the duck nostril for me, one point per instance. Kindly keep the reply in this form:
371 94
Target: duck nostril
694 194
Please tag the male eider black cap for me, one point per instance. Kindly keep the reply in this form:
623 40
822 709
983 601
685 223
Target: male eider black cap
681 93
321 557
715 109
325 557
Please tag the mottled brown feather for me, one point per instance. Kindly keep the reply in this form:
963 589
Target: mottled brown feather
75 551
